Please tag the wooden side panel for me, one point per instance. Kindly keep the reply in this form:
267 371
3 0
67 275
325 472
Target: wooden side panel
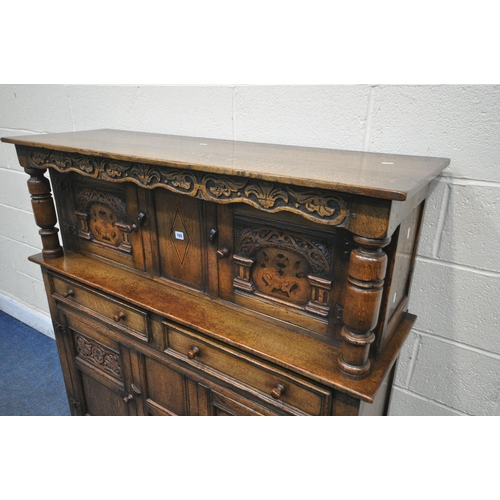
402 253
345 405
380 405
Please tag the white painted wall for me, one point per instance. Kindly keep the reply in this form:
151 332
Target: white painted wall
450 365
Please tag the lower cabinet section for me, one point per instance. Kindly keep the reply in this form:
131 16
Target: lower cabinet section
109 374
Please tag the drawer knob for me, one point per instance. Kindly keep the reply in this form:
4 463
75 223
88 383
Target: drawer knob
119 316
222 253
193 352
277 391
69 293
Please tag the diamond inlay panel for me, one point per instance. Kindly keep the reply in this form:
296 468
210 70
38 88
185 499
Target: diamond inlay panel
179 237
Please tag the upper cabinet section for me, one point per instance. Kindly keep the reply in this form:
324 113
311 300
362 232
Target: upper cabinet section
305 236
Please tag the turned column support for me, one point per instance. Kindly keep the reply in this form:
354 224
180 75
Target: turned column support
367 267
44 211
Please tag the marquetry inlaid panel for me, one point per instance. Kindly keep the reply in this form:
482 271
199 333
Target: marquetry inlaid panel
277 262
180 239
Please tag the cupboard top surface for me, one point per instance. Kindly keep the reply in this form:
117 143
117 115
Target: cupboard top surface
379 175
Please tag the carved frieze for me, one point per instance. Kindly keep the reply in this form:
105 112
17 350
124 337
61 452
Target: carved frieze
324 207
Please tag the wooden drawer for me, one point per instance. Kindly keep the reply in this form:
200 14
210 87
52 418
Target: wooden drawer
269 383
111 311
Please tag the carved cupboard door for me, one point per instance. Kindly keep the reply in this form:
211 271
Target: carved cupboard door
100 370
110 221
284 266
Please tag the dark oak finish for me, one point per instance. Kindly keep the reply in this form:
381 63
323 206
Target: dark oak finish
210 277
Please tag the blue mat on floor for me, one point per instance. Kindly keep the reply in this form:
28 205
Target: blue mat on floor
31 381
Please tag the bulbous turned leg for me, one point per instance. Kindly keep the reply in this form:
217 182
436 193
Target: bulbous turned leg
44 211
367 267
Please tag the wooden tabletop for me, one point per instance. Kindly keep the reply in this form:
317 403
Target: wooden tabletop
387 176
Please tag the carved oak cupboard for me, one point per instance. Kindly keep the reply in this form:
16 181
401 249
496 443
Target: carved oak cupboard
211 277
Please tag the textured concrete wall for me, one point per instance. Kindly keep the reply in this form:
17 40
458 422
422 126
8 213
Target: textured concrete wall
450 365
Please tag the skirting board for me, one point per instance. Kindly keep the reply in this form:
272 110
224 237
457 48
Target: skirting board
35 319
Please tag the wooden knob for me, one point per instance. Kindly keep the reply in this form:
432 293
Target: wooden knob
126 228
133 389
222 252
128 398
193 352
278 391
69 293
119 316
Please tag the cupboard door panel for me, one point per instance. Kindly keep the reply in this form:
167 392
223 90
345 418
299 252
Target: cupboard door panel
101 219
100 369
284 267
101 400
180 240
165 388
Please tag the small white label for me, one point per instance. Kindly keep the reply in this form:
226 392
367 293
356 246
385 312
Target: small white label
394 298
408 235
179 235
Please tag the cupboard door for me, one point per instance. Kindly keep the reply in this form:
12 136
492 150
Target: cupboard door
166 390
285 267
102 219
100 371
186 244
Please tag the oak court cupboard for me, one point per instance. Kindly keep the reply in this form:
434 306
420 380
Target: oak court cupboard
211 277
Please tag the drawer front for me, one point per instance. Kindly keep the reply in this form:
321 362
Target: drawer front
271 384
114 312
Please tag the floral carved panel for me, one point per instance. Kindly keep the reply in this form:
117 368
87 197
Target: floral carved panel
98 355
